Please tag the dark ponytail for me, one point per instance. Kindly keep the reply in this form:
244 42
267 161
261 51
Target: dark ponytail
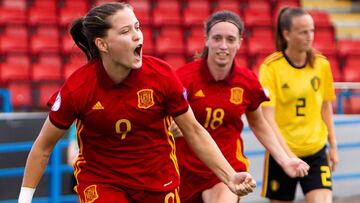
95 24
79 38
281 43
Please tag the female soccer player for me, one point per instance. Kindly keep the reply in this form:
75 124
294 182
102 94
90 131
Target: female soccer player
301 90
220 92
122 102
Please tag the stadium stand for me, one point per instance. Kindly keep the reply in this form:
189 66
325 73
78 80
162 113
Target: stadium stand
21 94
195 13
172 30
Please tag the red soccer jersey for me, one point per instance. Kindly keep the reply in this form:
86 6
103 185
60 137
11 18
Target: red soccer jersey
122 128
218 106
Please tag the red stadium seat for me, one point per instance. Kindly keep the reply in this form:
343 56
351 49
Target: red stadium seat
261 5
167 12
142 9
353 61
74 63
69 13
144 17
47 68
241 61
322 21
290 3
352 72
349 47
194 44
21 4
259 32
335 68
168 4
16 67
12 15
148 46
21 94
256 18
14 39
166 17
231 5
196 12
51 4
199 4
42 16
140 4
195 40
79 4
325 42
176 32
98 2
260 46
175 60
170 41
280 4
351 105
68 45
197 31
169 44
17 30
46 90
45 39
22 59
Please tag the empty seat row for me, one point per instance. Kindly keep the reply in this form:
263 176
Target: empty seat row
159 12
49 67
29 95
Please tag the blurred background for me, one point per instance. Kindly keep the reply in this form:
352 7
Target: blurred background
37 54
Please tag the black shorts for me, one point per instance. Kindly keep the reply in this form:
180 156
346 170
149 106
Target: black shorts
277 185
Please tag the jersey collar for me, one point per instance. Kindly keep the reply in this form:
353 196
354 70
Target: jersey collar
106 82
206 75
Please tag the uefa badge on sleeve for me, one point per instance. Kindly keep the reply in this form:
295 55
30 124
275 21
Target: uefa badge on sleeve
57 103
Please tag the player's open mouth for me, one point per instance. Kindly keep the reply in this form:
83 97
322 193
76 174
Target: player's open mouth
138 50
222 54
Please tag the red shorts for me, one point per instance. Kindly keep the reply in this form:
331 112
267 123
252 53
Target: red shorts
192 185
102 193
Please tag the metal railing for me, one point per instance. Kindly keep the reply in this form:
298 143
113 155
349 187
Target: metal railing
55 169
6 100
346 91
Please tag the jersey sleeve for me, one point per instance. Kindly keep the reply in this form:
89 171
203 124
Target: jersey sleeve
63 112
329 91
258 94
176 96
267 80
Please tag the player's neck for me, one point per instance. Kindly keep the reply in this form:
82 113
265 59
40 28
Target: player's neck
298 58
115 71
219 73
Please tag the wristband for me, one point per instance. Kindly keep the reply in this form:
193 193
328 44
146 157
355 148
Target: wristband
26 195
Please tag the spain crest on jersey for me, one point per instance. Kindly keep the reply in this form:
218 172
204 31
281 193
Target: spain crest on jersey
90 193
236 96
145 98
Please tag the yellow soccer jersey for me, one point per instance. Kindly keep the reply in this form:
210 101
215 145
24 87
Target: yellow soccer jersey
297 95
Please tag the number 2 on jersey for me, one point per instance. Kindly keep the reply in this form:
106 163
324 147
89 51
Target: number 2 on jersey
214 118
300 104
